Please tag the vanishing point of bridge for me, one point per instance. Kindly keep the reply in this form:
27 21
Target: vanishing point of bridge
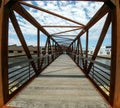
64 75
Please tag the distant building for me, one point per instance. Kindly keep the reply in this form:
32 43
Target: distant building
104 51
14 50
108 50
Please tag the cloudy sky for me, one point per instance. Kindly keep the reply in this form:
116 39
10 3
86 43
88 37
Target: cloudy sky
79 11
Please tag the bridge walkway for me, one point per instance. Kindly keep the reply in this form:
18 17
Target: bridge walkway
61 85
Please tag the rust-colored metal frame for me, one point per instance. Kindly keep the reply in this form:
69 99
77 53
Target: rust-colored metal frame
113 17
112 7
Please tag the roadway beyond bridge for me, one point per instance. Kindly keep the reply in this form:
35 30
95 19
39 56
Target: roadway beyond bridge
60 85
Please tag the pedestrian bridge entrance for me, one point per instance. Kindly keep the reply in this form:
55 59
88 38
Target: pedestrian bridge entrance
48 60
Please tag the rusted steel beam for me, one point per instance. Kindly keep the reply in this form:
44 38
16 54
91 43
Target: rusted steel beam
55 48
72 47
74 50
78 52
20 10
42 61
48 60
86 53
49 48
110 3
93 0
4 2
60 26
52 13
38 48
65 41
102 11
21 38
65 35
102 36
115 62
52 50
81 51
4 93
114 2
62 38
76 0
113 58
98 0
65 31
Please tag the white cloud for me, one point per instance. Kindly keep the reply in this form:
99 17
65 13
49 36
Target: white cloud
14 41
75 10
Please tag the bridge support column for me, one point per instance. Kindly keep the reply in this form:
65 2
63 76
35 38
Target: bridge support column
3 53
38 49
115 69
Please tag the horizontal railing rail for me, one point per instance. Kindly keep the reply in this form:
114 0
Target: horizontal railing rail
20 71
12 56
99 73
93 61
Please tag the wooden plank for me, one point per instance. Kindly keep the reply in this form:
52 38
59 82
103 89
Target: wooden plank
4 93
52 13
102 36
21 38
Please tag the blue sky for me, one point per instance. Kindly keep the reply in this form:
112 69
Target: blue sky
76 10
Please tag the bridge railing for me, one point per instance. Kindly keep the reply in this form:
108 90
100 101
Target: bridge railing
99 74
20 70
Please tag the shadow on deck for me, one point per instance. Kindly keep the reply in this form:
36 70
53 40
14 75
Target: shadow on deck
61 85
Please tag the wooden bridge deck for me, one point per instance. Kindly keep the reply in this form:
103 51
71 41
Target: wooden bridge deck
61 85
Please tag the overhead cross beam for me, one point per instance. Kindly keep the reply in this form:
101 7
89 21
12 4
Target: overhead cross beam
20 10
52 13
65 41
60 26
62 38
65 31
65 35
102 11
